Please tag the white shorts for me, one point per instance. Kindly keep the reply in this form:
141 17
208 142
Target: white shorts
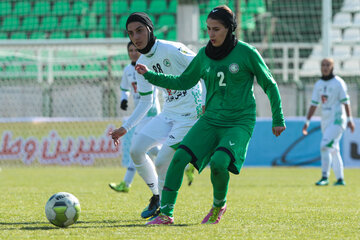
331 136
142 124
167 130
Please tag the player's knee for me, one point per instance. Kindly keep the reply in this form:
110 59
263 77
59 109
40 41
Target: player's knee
217 166
219 162
136 155
327 148
181 157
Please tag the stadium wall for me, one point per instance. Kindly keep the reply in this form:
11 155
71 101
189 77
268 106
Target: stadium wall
45 141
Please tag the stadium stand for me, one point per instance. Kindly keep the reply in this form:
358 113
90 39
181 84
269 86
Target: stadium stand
158 7
342 20
61 8
119 8
138 6
351 6
262 21
352 35
336 35
356 22
345 35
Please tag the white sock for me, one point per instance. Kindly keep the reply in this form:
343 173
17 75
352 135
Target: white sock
325 162
162 163
143 164
338 165
130 174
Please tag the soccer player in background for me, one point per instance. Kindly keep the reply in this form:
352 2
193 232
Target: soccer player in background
221 136
128 87
331 92
180 111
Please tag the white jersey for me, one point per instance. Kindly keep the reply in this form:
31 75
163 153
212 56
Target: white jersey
169 58
129 85
332 94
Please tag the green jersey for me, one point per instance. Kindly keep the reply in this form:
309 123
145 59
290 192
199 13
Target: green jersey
229 85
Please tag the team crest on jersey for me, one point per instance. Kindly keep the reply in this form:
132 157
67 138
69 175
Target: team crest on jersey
234 68
167 62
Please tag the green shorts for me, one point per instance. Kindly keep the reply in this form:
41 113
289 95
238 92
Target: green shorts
204 139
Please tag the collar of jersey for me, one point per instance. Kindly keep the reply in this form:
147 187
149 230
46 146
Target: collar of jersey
152 50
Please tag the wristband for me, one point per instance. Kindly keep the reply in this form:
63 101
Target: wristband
350 119
307 122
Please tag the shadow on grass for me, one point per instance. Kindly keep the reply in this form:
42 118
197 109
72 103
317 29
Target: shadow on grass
83 225
21 223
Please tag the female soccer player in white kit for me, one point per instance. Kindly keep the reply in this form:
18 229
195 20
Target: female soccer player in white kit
180 111
128 87
331 92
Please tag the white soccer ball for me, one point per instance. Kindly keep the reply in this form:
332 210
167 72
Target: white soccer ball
62 209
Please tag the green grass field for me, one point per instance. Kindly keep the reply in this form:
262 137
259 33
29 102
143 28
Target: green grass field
263 203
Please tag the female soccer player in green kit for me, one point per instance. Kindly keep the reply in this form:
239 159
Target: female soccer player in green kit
221 136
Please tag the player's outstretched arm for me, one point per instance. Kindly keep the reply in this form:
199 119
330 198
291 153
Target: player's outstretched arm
189 78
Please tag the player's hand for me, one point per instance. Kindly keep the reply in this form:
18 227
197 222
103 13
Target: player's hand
116 134
141 69
304 130
124 104
351 125
278 130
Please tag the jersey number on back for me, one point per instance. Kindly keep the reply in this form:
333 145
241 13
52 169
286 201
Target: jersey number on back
157 68
222 82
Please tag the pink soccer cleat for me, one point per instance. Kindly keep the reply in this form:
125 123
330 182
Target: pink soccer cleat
214 215
162 219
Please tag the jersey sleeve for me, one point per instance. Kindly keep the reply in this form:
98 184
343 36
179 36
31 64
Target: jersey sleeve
315 98
186 80
124 85
139 112
343 94
145 90
143 86
203 92
184 56
268 84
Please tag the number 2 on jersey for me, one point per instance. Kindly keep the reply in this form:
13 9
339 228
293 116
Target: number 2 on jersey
221 75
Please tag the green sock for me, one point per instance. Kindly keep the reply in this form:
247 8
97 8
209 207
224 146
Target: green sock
220 177
174 178
168 200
